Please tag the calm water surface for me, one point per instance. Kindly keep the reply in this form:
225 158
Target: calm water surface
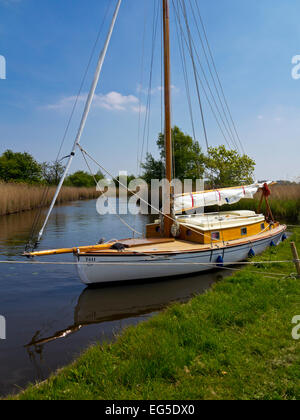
51 317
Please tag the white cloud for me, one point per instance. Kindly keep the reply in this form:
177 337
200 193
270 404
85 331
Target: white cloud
112 101
153 91
140 108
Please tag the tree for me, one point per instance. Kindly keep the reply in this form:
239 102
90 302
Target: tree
153 169
188 158
227 168
121 179
19 167
52 172
83 179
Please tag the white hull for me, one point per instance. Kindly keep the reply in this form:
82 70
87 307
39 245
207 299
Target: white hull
99 269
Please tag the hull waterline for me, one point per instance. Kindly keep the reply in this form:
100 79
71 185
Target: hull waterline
100 269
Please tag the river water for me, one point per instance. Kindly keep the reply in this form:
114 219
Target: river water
50 316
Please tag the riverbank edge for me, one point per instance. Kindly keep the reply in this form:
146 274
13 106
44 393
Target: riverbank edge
19 198
233 342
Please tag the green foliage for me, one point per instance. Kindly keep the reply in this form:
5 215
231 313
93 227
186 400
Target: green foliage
153 169
19 167
52 172
122 180
222 167
22 167
83 179
188 158
226 168
233 342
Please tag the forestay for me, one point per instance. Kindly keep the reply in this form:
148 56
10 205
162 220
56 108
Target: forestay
84 116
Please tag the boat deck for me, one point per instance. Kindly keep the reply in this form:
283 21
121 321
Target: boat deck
157 246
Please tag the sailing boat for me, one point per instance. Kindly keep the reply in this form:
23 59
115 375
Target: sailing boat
176 245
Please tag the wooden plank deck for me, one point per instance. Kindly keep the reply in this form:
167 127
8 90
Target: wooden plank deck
157 246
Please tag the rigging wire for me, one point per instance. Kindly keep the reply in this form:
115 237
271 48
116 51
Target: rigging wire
147 121
141 90
217 74
192 48
84 78
138 165
185 75
196 81
198 77
227 266
211 74
37 220
162 123
31 243
197 232
96 182
139 197
206 264
146 131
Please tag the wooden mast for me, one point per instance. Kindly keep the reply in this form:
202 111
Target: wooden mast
168 124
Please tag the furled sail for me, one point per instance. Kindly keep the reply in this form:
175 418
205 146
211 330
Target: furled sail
186 202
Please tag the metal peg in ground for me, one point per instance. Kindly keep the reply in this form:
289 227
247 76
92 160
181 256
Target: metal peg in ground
296 257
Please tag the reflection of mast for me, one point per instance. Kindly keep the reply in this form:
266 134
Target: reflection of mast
85 114
56 336
168 124
96 306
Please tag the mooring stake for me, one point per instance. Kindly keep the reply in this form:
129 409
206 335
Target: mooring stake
296 257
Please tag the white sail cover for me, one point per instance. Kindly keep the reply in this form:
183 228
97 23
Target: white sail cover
219 197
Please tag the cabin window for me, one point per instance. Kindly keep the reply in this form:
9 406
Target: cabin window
157 229
215 236
189 233
263 226
244 231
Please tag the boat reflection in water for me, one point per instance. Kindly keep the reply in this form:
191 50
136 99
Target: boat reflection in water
96 306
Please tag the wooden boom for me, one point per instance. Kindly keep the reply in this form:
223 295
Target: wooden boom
69 250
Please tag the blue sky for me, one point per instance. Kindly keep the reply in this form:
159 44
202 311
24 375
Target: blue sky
47 45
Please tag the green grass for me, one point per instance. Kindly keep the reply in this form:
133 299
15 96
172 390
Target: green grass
234 342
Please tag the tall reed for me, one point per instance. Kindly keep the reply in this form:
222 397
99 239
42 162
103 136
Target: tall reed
284 202
16 198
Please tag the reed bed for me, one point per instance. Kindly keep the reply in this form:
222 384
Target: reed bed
15 198
284 201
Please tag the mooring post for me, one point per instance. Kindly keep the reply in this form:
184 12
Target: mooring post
296 257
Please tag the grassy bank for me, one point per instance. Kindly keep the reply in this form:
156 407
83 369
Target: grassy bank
234 342
16 198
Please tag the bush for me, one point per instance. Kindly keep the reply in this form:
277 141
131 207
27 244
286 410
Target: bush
83 179
19 167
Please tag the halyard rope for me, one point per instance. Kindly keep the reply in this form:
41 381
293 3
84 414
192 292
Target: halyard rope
226 266
140 198
83 151
218 265
94 177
